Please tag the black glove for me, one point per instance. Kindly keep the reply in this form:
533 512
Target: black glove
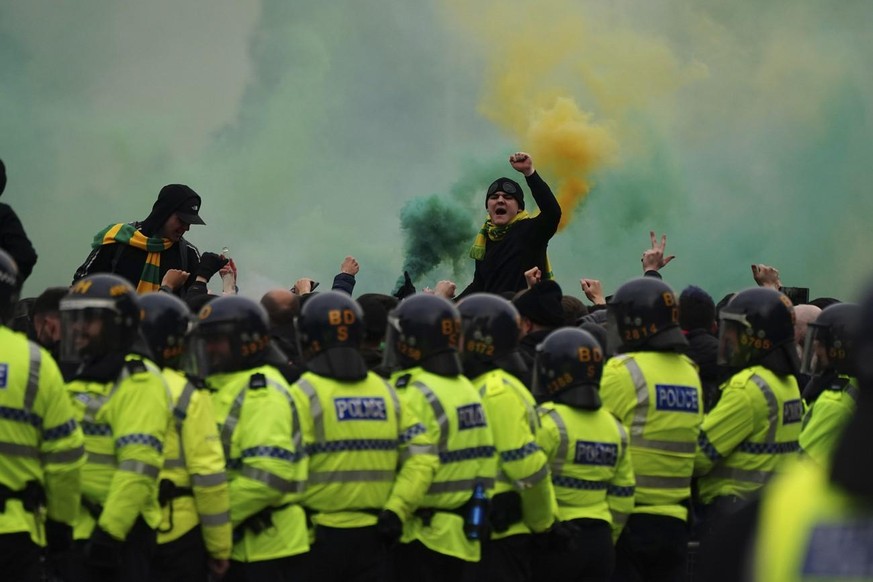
58 536
210 263
102 551
406 289
389 527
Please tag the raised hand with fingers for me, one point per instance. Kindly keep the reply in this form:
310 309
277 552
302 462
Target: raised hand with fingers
653 258
593 291
766 276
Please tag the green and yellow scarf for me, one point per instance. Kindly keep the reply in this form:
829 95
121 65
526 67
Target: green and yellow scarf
127 234
495 233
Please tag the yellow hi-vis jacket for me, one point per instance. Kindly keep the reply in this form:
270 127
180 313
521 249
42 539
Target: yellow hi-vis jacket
590 464
193 460
452 412
39 438
522 466
810 530
262 440
826 418
125 424
657 397
367 452
751 430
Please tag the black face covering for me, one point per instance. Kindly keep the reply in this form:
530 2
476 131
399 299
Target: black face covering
782 361
443 364
103 369
343 364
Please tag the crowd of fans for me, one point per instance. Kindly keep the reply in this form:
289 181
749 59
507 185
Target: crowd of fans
524 434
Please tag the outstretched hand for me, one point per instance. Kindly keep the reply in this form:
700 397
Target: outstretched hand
653 258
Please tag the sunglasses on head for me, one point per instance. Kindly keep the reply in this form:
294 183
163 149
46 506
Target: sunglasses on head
507 187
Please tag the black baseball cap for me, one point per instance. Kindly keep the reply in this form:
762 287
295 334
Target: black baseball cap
189 211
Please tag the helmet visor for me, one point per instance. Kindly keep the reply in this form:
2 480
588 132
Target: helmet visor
815 352
213 351
393 358
88 333
732 331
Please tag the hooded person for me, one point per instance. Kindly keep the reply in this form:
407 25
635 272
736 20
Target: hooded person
541 313
511 241
142 252
13 239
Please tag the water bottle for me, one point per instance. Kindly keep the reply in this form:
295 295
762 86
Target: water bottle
474 525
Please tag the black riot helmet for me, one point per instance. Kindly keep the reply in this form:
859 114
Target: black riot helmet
491 327
230 334
424 330
830 340
9 287
165 322
330 330
643 315
757 327
568 367
99 316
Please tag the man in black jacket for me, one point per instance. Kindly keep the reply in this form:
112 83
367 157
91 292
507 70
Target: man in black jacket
697 320
143 252
511 242
13 239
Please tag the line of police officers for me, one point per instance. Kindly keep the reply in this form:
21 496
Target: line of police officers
450 470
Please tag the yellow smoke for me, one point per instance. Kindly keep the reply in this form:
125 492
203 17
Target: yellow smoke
542 60
568 145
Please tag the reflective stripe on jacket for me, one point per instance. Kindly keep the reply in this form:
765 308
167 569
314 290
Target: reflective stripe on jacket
590 463
658 398
267 465
40 439
194 461
452 412
522 465
367 451
752 429
125 423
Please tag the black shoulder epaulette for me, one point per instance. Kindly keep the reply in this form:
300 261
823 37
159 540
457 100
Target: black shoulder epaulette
257 381
196 381
135 367
839 384
403 381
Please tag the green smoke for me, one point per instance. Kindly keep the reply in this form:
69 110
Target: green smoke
435 230
438 230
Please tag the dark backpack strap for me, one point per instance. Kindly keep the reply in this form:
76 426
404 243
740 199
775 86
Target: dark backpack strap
119 249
